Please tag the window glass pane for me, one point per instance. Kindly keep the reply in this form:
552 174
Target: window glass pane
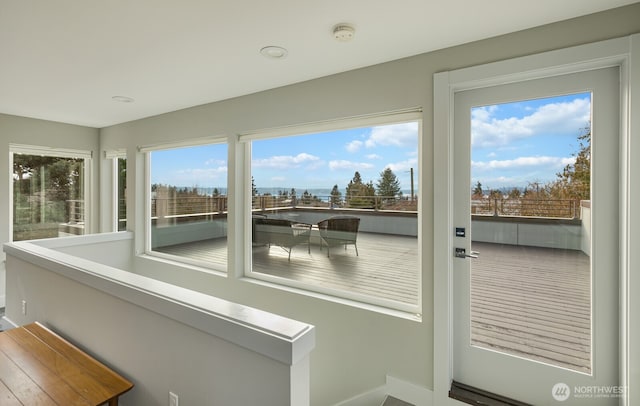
531 286
48 197
121 193
189 203
336 212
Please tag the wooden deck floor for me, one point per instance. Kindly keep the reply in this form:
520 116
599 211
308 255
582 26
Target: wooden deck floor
387 266
529 302
533 303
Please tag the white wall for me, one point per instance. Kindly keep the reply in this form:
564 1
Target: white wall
356 347
26 131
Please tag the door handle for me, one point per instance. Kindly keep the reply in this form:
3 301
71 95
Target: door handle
462 253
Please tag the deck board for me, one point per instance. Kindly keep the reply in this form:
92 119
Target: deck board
525 301
532 302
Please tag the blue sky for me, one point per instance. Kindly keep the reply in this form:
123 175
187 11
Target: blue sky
319 161
514 144
309 162
202 166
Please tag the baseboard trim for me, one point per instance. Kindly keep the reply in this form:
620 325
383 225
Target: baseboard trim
7 321
403 390
373 397
409 392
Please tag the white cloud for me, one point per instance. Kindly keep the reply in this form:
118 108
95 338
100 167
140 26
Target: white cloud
218 162
553 118
403 166
354 146
286 161
525 161
399 135
198 173
373 157
344 164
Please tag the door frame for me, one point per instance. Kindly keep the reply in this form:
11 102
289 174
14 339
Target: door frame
621 52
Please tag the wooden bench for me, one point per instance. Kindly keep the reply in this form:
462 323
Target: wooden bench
38 367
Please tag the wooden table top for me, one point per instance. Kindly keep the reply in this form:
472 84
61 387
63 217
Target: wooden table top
38 367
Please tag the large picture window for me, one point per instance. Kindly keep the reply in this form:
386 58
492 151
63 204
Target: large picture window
48 193
336 212
188 204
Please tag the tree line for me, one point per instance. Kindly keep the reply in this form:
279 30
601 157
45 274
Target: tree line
358 194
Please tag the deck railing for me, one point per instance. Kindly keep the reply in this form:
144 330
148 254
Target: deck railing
397 203
197 207
76 211
545 208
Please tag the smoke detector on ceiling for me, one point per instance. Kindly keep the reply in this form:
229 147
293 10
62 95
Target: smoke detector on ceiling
343 32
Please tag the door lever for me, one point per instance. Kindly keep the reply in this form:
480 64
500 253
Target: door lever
462 253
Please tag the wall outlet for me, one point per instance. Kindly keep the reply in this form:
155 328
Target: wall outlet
24 307
173 399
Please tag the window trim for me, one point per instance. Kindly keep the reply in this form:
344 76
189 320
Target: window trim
113 157
369 120
361 300
85 155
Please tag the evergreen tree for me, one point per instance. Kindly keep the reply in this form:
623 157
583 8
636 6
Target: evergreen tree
477 191
306 197
388 185
336 196
254 190
357 193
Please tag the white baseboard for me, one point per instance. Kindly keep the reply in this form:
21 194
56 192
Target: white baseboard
374 397
409 392
406 391
8 322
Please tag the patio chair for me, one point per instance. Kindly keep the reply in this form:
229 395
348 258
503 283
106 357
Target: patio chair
281 232
339 230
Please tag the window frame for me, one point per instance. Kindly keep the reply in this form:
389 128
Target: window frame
114 157
220 269
85 155
389 118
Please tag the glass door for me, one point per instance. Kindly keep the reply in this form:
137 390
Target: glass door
536 288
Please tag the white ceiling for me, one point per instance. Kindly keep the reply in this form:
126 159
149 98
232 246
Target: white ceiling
64 60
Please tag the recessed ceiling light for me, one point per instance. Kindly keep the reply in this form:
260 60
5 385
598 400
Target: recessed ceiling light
274 52
343 32
123 99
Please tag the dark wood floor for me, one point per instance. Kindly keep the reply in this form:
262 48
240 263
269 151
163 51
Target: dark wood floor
525 301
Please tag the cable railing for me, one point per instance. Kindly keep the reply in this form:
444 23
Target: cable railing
76 211
375 203
545 208
197 208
